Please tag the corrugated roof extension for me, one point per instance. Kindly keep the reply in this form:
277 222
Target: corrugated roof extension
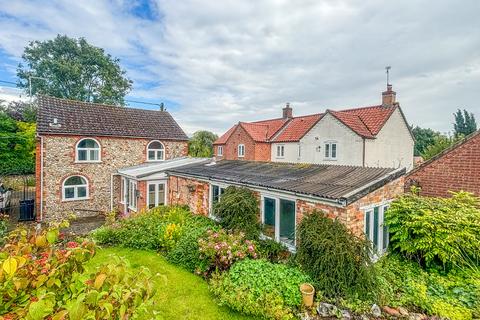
340 184
92 119
364 121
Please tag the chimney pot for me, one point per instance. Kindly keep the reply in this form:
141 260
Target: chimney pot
287 111
389 96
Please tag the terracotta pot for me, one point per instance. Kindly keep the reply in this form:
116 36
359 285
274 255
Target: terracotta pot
308 292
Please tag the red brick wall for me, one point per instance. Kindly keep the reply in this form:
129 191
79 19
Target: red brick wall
193 193
456 170
259 151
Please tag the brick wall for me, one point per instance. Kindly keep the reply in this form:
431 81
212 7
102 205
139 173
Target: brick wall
193 193
259 151
59 163
458 169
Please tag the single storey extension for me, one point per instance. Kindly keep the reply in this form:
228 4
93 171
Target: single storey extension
357 196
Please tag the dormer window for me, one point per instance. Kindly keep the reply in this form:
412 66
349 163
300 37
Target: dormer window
88 150
155 151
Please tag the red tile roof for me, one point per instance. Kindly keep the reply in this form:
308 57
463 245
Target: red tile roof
365 121
297 127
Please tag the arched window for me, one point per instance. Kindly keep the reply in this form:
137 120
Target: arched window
75 188
88 150
155 151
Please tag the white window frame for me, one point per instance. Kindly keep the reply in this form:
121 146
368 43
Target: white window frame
156 152
132 194
330 144
210 197
220 151
281 151
75 189
156 183
88 160
241 147
382 207
123 190
277 199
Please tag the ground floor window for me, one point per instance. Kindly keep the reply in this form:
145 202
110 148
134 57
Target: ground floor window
129 193
156 194
75 188
278 218
216 192
375 229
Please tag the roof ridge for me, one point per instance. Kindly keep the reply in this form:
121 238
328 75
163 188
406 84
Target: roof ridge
96 104
364 107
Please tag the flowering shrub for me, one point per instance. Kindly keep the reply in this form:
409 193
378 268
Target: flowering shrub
219 250
41 276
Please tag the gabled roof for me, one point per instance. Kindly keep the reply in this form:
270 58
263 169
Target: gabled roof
92 119
364 121
297 127
340 184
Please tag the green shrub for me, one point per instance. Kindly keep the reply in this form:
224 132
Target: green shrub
219 250
272 250
260 288
436 231
3 228
43 277
455 295
238 211
186 253
338 262
156 229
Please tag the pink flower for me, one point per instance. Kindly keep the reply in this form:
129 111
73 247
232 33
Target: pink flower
72 244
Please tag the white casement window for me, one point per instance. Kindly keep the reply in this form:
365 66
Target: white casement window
157 192
375 230
87 150
331 150
241 150
280 151
155 151
75 188
220 151
278 219
132 195
216 192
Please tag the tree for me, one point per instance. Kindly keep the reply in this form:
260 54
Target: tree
201 144
20 110
441 143
465 123
73 69
424 137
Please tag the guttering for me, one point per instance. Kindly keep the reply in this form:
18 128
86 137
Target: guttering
363 155
337 202
111 191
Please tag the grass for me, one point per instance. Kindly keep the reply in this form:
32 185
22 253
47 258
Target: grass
180 294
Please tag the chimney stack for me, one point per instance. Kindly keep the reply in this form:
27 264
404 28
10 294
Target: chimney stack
388 97
287 111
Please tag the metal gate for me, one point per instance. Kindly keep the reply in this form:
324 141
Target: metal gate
17 197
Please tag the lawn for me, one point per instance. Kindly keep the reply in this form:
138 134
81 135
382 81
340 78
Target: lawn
180 294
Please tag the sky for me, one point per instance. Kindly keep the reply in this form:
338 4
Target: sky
214 63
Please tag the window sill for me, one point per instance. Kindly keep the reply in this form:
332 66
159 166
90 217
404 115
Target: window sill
329 159
241 156
75 199
81 162
155 160
132 209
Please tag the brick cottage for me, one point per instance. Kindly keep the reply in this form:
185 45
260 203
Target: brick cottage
80 147
456 168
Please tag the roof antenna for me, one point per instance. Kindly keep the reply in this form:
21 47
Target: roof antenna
387 71
162 108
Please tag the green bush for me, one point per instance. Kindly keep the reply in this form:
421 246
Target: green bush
260 288
338 262
455 295
272 250
238 211
155 229
186 253
436 231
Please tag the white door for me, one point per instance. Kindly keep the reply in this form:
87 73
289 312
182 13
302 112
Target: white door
157 194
